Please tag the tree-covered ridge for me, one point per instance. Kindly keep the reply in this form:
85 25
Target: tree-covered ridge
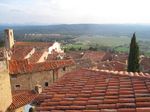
117 30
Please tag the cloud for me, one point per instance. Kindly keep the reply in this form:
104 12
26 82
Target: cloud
74 11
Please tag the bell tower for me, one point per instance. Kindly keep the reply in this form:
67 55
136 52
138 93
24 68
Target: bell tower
9 38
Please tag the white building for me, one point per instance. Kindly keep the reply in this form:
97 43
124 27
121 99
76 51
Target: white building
55 47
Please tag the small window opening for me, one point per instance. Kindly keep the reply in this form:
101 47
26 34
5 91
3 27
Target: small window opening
46 84
64 68
17 86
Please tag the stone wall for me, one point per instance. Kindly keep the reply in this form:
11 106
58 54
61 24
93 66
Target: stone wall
5 91
28 81
44 78
65 70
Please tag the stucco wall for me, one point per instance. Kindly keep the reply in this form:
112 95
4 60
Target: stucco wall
5 91
3 65
21 109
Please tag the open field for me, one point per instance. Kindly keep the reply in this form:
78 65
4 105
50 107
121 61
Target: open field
116 44
113 37
104 41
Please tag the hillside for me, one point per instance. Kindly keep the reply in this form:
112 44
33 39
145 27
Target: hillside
115 30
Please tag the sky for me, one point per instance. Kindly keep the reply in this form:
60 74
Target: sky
74 11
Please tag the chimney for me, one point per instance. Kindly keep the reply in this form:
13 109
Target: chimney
38 88
9 39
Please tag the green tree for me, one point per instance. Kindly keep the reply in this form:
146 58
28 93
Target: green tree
93 48
2 43
72 49
79 48
133 59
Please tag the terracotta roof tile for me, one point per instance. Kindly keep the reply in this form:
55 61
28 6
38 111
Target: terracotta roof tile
35 56
19 53
22 66
103 91
94 55
21 98
145 64
21 49
33 44
112 65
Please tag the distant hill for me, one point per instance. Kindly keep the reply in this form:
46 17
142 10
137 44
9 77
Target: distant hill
142 31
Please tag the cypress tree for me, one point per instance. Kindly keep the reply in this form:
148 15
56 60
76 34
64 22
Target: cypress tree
133 59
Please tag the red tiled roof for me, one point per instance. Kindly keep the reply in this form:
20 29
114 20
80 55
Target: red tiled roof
112 65
145 64
74 54
33 44
21 98
107 56
21 49
22 66
118 65
96 91
83 63
19 53
35 56
94 55
121 57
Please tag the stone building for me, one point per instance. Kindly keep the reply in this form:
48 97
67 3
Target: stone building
25 76
28 63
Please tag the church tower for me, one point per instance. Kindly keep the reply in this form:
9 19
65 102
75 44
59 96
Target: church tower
9 39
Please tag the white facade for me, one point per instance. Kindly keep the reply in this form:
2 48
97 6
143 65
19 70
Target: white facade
55 47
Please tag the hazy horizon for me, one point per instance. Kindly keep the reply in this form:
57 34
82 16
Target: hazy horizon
121 24
53 12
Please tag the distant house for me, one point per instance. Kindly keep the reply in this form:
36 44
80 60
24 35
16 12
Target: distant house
145 64
94 56
55 47
112 65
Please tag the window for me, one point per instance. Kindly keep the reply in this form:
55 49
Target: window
46 84
64 68
17 86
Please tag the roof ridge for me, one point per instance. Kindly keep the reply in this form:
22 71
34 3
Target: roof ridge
125 73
